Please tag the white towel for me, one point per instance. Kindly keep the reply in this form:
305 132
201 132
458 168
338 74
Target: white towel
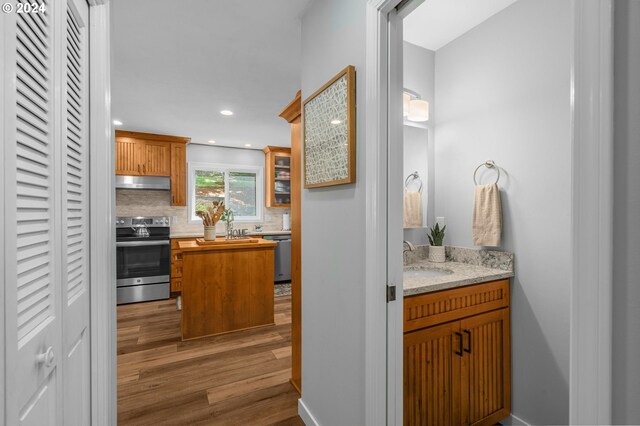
412 210
487 216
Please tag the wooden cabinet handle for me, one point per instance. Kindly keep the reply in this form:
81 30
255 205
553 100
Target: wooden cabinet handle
144 169
459 351
468 348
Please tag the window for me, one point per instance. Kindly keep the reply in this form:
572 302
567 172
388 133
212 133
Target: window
240 187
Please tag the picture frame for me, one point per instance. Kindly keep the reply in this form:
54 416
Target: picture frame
329 132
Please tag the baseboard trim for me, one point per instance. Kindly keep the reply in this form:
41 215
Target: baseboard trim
305 414
514 421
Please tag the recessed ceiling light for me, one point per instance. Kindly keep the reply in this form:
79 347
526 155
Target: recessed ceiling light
226 112
117 123
336 121
212 141
247 145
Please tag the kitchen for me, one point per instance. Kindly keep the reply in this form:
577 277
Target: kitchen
164 257
177 151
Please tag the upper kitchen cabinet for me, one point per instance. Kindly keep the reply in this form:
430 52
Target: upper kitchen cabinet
147 154
278 173
144 154
178 174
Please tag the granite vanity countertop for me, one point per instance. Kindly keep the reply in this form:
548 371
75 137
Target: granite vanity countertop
201 234
466 267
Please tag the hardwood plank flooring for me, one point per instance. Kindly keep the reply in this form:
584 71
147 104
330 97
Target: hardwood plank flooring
240 378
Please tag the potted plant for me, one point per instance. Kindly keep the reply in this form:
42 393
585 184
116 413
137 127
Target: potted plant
436 251
227 218
210 215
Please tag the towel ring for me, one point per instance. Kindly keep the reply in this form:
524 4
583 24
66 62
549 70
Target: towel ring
489 164
413 176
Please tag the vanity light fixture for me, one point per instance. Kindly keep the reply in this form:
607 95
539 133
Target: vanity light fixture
117 123
335 122
226 112
211 141
406 102
414 108
248 145
418 110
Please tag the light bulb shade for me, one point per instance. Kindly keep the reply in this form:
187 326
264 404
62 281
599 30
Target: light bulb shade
418 110
406 100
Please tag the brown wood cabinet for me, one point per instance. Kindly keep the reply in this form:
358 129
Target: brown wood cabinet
147 154
457 363
293 114
178 174
226 287
278 176
176 264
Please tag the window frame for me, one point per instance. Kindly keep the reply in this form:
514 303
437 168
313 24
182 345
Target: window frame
226 169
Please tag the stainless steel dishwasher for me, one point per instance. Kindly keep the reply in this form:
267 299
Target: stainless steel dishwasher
282 257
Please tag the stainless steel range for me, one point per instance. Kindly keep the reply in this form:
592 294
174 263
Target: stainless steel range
143 257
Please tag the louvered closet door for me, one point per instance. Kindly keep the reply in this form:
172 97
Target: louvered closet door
45 60
75 212
32 281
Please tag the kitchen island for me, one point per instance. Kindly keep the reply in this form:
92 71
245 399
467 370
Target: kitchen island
226 286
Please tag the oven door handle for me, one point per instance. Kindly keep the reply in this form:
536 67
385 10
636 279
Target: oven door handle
142 243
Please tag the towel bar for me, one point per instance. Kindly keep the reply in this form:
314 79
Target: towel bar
489 164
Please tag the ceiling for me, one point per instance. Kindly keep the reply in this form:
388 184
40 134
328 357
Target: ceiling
435 23
177 64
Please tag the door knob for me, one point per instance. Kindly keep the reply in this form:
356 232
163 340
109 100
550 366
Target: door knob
46 358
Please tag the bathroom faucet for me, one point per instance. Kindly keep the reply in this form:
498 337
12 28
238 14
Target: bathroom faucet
410 247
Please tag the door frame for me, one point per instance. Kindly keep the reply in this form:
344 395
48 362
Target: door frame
592 184
102 216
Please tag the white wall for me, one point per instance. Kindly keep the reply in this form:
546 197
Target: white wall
333 264
419 76
502 93
220 154
626 275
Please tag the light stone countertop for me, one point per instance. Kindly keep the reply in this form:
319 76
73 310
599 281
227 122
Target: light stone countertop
467 267
201 234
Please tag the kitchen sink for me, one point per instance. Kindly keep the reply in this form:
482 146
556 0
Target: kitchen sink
425 273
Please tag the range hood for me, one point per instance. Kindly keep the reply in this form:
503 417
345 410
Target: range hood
143 182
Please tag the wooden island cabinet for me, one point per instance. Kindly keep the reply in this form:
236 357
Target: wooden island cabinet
226 287
457 363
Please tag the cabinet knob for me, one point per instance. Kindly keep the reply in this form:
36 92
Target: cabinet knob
46 357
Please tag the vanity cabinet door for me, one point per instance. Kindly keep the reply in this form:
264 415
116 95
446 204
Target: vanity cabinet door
432 360
486 370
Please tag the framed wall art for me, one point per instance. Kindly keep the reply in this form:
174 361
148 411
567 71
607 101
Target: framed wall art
329 132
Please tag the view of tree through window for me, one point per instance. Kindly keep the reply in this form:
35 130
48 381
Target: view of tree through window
209 188
242 193
237 188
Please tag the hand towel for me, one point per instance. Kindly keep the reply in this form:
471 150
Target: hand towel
412 210
487 216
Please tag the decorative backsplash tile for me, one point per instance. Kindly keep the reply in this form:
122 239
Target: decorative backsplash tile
139 202
481 257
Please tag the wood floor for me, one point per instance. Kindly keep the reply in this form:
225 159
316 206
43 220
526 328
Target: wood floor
240 378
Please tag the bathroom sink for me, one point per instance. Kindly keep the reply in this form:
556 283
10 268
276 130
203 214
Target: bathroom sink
425 273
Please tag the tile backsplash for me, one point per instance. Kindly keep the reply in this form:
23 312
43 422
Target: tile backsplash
140 202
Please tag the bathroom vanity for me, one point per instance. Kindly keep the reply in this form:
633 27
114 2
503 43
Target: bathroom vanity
457 363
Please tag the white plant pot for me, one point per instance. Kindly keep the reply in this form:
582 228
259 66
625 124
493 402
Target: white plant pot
209 233
436 254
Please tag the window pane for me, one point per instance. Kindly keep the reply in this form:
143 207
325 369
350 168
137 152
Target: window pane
242 193
209 188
